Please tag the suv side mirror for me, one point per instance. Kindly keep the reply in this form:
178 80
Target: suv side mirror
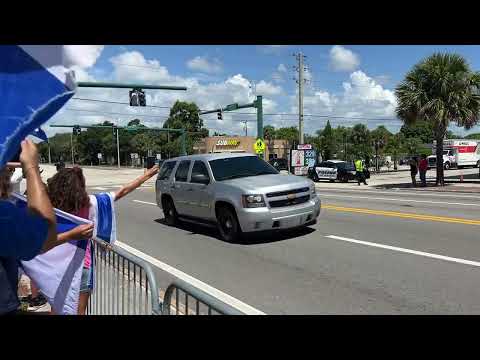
200 179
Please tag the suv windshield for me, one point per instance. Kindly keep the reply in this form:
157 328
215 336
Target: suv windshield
237 167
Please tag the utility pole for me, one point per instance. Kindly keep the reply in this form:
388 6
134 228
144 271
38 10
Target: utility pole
71 145
49 153
118 148
245 125
301 82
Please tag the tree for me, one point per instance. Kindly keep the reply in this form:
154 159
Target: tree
379 138
288 133
327 142
394 147
421 130
475 136
360 139
269 132
440 89
185 115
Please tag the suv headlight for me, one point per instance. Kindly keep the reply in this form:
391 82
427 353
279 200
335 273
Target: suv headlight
313 189
253 201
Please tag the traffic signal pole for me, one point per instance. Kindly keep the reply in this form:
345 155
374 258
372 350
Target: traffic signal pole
257 104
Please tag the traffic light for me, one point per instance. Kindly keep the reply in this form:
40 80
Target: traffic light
137 97
220 115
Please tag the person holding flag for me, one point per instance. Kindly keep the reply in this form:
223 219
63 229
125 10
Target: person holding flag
67 190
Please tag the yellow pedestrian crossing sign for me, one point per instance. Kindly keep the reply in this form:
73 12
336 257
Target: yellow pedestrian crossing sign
259 146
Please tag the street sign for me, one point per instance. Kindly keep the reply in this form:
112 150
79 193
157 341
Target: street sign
304 147
231 107
134 155
259 146
159 156
99 155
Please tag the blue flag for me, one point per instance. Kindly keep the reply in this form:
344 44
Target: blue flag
58 272
40 134
34 85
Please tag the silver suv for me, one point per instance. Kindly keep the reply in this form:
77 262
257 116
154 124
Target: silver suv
238 193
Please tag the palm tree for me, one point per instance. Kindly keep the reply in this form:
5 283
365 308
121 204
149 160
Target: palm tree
440 89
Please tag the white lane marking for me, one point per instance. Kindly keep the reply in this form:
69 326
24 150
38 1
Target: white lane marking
397 192
408 251
228 299
393 199
144 202
99 188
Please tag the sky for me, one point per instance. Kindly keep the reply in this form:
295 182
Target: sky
345 84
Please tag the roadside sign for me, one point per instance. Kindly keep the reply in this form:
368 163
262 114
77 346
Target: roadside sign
134 155
159 156
259 146
99 155
304 147
231 107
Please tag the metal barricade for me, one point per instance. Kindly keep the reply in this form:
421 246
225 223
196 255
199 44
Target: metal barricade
182 298
124 283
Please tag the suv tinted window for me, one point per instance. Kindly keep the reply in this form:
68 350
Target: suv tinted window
182 171
238 167
200 168
166 170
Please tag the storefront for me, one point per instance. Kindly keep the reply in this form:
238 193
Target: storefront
240 144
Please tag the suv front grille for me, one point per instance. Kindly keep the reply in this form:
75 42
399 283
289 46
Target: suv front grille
288 192
289 202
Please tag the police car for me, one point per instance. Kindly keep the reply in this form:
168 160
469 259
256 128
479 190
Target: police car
332 170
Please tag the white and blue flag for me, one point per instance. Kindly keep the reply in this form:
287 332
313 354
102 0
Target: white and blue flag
34 85
58 272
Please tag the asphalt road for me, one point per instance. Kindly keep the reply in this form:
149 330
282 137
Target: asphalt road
372 252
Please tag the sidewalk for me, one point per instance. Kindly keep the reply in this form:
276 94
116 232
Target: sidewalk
401 180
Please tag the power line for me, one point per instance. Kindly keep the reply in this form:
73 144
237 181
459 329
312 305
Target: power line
116 113
118 102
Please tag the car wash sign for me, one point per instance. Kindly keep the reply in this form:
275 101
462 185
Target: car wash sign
302 158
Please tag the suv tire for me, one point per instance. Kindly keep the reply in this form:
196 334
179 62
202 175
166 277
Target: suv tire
169 211
446 166
228 225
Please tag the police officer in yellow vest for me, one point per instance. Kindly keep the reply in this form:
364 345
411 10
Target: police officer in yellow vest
360 174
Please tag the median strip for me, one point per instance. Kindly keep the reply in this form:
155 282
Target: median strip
403 215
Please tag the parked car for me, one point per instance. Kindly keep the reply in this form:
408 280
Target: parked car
333 170
279 163
237 193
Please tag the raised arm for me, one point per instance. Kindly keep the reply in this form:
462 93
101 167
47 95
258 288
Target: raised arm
37 199
127 189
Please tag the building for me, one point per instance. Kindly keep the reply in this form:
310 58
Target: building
217 144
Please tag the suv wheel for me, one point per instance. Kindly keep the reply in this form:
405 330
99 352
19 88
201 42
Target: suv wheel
446 166
228 225
170 213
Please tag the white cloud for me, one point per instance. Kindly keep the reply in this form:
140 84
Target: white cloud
342 59
82 56
268 89
282 68
203 64
362 97
208 96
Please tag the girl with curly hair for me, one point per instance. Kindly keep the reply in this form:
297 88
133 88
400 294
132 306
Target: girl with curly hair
67 191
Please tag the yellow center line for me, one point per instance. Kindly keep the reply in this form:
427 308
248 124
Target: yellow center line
403 215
